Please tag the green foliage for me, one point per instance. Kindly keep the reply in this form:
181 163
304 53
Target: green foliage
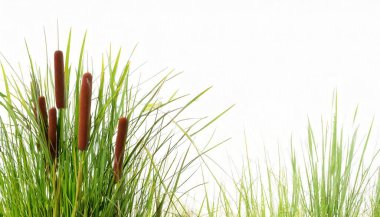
82 183
335 176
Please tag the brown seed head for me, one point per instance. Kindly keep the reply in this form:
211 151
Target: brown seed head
59 77
42 109
52 132
42 117
121 138
84 111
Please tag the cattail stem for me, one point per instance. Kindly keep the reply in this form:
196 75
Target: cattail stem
119 147
56 189
84 111
59 79
78 184
57 192
59 130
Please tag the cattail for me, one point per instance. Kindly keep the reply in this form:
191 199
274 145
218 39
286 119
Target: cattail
84 111
119 147
52 133
42 110
59 77
43 116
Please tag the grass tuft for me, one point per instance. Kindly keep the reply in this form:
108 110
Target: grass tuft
65 162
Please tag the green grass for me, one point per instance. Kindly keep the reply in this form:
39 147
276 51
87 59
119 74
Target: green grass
157 154
335 174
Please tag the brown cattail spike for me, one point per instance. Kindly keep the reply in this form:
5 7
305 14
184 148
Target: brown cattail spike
59 77
121 138
84 111
42 119
42 109
52 133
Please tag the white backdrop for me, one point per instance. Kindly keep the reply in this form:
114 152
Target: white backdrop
278 61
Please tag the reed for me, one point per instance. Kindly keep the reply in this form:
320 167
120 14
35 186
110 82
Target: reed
43 110
42 118
120 147
83 131
59 78
84 111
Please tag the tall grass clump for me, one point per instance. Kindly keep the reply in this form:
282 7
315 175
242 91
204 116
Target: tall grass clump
72 160
335 174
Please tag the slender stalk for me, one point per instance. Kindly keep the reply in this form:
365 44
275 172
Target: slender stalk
60 133
57 183
57 193
78 183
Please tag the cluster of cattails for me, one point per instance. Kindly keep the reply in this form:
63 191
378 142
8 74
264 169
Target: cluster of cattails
49 122
85 125
48 118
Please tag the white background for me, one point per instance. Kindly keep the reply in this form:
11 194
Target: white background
278 61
